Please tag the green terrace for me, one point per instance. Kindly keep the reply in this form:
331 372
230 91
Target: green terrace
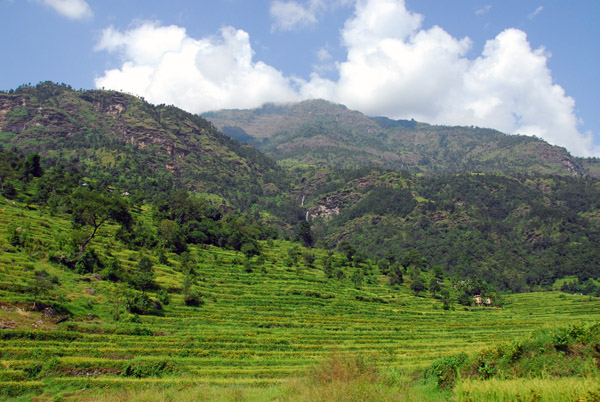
256 326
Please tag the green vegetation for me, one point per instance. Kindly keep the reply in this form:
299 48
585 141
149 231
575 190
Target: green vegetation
257 329
116 140
146 256
518 234
320 133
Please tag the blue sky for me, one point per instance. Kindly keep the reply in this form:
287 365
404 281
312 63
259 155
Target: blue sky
527 67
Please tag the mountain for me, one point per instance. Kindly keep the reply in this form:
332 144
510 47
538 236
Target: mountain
123 141
317 132
511 210
118 285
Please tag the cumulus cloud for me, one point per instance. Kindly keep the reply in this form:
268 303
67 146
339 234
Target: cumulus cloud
165 65
73 9
394 67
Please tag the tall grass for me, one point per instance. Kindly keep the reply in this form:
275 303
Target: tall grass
529 389
339 378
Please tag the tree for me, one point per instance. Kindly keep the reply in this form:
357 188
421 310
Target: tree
438 271
434 287
292 256
32 167
305 234
396 277
413 259
250 249
118 296
143 279
418 286
357 278
384 267
465 298
40 285
445 293
92 209
172 236
327 265
347 249
191 296
309 259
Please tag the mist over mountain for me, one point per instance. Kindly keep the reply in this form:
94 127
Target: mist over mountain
319 132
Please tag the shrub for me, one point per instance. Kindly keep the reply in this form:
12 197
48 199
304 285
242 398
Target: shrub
113 271
18 236
162 256
446 371
8 190
192 298
87 262
343 369
148 369
138 303
248 266
163 297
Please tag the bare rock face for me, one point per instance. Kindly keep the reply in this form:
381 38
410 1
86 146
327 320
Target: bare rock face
333 204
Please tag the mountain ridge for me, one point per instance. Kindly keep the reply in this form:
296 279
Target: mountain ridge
304 132
468 216
100 128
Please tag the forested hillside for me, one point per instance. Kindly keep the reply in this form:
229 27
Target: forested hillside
119 140
104 299
518 226
318 132
519 233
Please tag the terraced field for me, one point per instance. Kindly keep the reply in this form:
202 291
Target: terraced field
254 329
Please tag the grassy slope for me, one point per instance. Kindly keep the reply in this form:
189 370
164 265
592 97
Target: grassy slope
255 329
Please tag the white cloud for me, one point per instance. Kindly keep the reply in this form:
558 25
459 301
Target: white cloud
483 10
535 12
291 15
393 67
165 65
73 9
323 54
396 68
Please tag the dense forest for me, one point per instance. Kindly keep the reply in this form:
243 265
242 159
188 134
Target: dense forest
519 233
